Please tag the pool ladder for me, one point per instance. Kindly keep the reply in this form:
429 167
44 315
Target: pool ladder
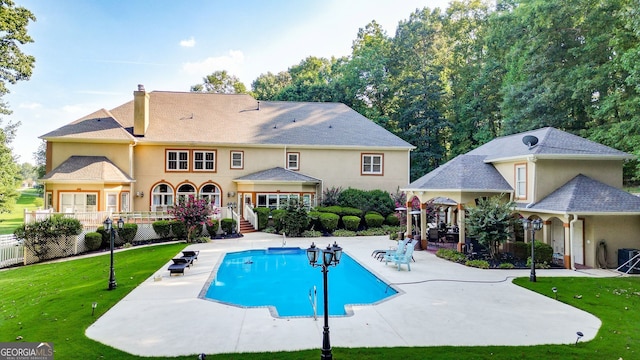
313 299
284 239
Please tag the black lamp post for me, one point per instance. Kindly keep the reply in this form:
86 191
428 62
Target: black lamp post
534 226
108 226
330 257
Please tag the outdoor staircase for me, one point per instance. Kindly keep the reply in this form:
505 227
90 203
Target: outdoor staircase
246 227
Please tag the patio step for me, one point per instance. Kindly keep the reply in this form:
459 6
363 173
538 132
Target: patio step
246 227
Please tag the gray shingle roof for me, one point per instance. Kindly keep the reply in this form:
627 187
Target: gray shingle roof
88 169
99 125
552 143
178 117
464 172
278 174
584 195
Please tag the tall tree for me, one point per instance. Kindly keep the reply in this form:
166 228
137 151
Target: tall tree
220 82
418 58
14 66
268 86
312 80
366 78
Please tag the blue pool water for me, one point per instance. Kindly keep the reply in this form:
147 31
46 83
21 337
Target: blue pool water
283 279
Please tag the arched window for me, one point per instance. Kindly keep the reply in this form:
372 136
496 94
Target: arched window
184 191
162 197
211 193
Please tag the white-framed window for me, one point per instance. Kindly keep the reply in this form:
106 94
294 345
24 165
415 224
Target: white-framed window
204 160
112 202
125 201
162 197
237 159
184 191
177 160
293 161
276 201
211 193
521 181
372 164
49 200
78 202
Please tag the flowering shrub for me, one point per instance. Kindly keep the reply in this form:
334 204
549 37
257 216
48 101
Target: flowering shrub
193 213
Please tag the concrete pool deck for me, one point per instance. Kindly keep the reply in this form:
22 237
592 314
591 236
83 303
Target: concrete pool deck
442 303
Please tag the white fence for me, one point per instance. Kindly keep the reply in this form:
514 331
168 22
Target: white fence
11 251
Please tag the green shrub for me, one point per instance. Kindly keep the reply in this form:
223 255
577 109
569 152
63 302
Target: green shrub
539 265
373 220
314 220
228 225
392 220
521 250
544 253
263 216
126 234
372 200
354 198
270 230
162 228
344 233
375 232
351 222
93 240
311 233
329 221
278 218
178 229
451 255
105 237
481 264
295 219
331 209
393 236
506 266
212 227
351 212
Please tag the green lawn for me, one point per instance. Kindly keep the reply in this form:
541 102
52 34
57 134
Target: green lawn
52 302
10 221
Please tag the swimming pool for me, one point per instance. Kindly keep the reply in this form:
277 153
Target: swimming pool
283 280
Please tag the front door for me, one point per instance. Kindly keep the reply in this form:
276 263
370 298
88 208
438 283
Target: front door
577 241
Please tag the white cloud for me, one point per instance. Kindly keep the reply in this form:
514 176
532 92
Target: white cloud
233 63
191 42
30 105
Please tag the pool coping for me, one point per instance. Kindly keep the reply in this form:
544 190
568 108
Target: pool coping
348 308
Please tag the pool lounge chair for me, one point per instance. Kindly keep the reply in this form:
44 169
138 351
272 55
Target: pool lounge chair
191 254
178 266
404 258
381 254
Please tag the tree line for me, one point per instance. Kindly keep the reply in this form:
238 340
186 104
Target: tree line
450 80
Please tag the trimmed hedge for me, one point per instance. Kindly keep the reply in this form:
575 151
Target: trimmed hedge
314 220
351 222
212 227
227 225
338 210
178 228
392 220
162 228
351 212
329 221
127 233
373 220
93 240
105 237
544 253
263 216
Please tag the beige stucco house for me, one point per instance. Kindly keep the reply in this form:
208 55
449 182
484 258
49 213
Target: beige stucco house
147 153
572 184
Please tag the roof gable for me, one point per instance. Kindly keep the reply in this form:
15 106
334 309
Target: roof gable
88 169
464 172
552 143
583 194
278 174
98 125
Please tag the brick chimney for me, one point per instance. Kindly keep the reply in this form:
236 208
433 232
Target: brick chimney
140 111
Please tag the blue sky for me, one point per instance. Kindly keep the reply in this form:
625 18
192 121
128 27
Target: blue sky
92 54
